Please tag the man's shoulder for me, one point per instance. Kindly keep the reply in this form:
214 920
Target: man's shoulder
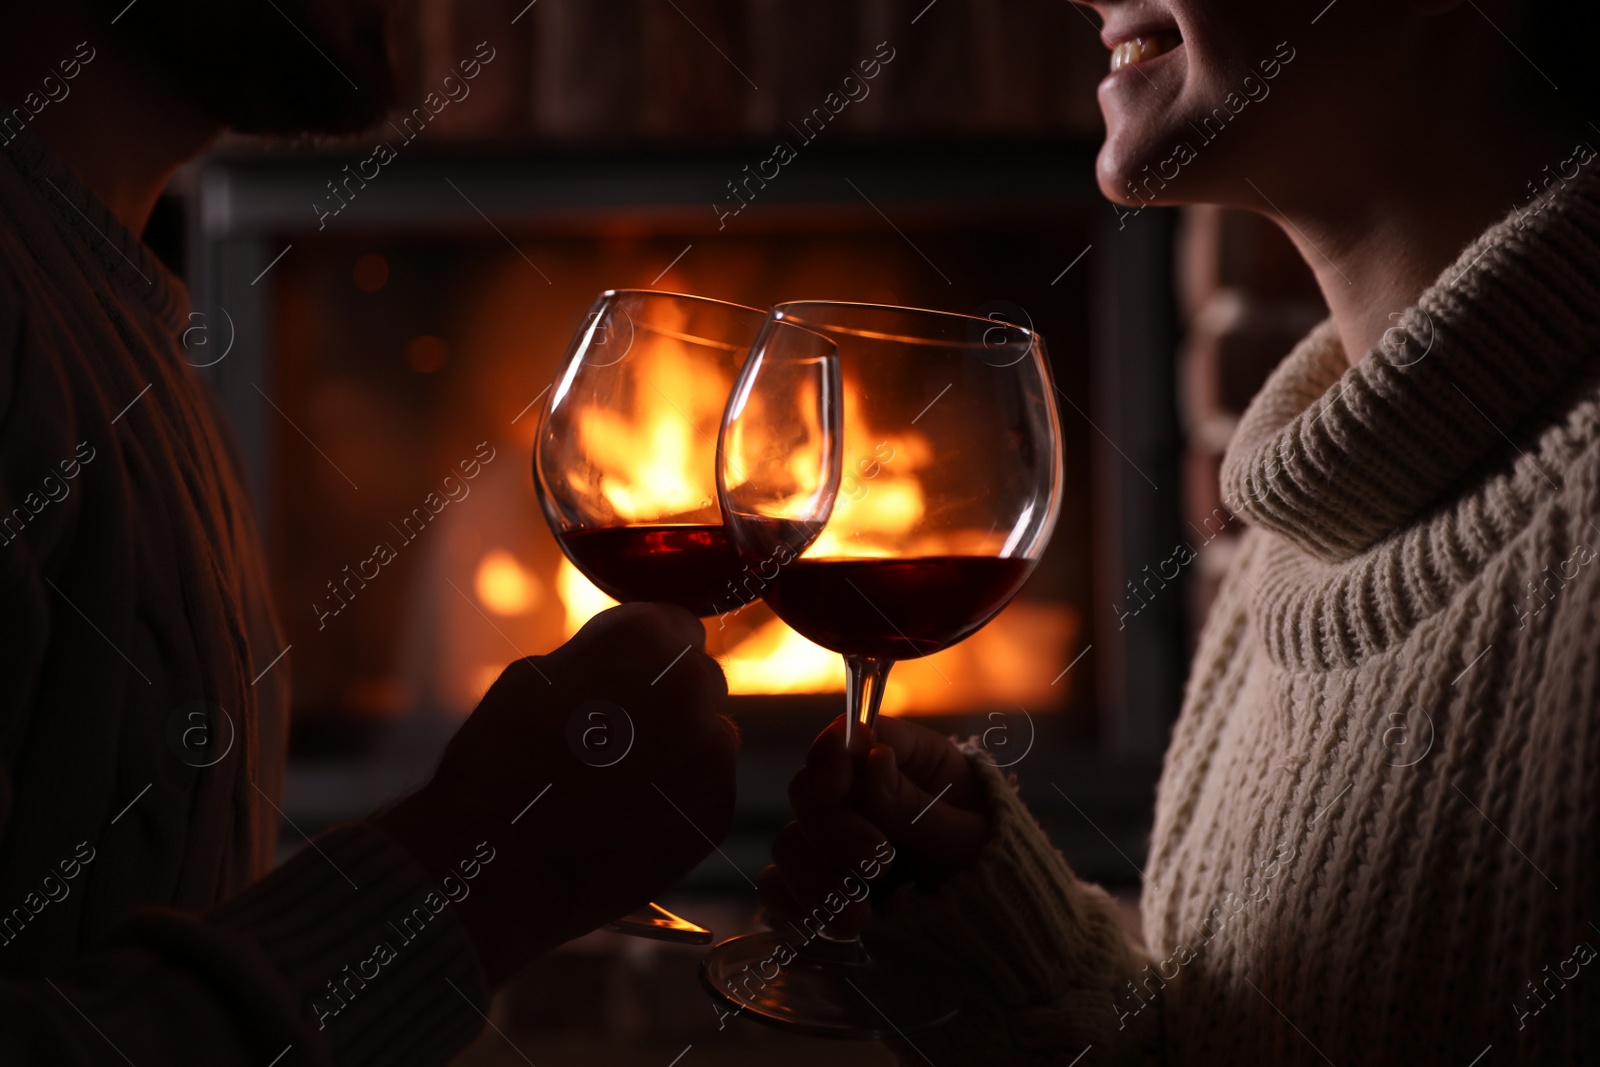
13 320
12 300
36 410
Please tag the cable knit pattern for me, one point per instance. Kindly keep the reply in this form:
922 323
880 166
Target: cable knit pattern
1405 423
1374 835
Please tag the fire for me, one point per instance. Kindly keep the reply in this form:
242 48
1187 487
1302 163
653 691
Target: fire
579 597
504 586
1013 660
880 497
666 428
775 659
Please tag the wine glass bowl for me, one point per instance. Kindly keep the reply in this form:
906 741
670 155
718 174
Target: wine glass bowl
624 461
935 487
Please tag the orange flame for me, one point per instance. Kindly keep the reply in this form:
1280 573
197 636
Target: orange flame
504 586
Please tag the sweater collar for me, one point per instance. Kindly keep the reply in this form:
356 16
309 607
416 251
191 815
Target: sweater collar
130 266
1335 458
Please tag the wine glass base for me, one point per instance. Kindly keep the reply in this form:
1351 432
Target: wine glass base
657 923
817 994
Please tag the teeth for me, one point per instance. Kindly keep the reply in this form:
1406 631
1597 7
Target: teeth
1127 52
1139 49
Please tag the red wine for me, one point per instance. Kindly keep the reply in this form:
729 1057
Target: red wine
893 608
692 566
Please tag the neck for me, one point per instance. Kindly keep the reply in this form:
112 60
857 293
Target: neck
120 127
1376 249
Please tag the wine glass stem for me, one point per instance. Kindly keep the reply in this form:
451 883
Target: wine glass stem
865 679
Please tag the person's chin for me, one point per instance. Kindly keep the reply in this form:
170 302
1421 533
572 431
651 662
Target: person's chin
1140 104
1131 161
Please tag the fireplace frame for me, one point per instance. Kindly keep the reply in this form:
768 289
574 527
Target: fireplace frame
243 209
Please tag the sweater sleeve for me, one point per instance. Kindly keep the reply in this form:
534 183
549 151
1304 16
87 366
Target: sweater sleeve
1036 956
345 955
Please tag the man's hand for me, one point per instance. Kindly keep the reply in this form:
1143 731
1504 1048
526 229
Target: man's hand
619 736
846 804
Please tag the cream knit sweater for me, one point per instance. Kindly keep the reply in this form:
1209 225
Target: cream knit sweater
1376 832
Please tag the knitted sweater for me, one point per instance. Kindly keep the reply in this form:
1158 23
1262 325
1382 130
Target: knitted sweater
1376 828
134 597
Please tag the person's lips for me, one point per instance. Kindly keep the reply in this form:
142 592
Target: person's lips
1143 47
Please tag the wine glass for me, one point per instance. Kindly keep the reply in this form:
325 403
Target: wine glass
625 469
893 482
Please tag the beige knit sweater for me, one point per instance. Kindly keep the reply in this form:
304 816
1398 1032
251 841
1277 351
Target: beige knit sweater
1376 832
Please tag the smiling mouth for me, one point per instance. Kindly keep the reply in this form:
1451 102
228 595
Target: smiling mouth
1143 49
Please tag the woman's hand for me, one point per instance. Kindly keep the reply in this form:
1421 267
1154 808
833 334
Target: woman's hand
599 775
905 785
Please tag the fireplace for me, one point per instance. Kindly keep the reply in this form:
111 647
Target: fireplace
385 371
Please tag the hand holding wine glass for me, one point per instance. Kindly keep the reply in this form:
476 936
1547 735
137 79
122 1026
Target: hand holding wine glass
912 787
579 842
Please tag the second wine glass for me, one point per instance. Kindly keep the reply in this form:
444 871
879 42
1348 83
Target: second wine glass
893 480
